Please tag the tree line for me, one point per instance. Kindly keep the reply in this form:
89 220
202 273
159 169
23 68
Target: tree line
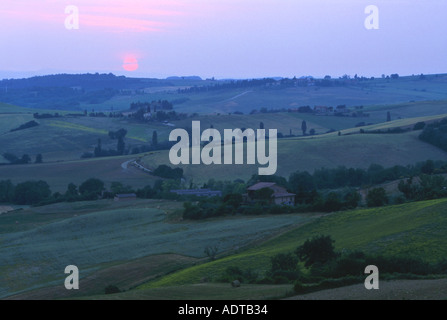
317 265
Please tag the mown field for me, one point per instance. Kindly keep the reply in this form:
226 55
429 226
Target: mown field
58 175
304 154
67 138
329 151
38 243
413 229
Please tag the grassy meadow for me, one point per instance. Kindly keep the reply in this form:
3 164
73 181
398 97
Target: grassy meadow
413 229
329 151
38 243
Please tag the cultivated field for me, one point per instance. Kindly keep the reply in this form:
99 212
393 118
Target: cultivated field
414 230
37 244
329 151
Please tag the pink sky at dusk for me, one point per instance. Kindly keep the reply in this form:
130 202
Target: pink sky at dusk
223 38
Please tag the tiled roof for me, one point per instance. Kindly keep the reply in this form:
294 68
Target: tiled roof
261 185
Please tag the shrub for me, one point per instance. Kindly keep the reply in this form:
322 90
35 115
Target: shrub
319 249
419 126
243 276
111 289
31 192
27 125
377 198
284 262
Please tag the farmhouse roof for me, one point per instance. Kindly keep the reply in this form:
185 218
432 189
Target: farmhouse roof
261 185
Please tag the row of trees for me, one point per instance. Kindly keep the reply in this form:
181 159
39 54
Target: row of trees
121 149
327 190
302 182
329 268
25 159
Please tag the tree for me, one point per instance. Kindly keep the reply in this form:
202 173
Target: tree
120 146
154 138
13 159
72 190
211 252
38 159
235 200
98 149
6 191
25 159
119 188
261 125
91 187
312 132
304 127
428 167
319 249
31 192
302 184
376 198
352 199
284 262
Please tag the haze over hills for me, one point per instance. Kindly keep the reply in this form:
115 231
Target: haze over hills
191 94
350 122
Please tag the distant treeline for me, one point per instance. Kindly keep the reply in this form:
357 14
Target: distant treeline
69 91
25 159
222 85
349 177
281 83
326 190
38 193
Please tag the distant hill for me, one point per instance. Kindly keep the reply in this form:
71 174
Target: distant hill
184 78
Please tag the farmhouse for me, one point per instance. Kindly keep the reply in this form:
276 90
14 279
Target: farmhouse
125 197
280 195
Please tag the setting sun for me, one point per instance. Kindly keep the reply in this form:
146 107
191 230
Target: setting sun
130 63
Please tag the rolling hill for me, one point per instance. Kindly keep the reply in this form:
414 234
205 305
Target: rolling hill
38 243
329 151
413 229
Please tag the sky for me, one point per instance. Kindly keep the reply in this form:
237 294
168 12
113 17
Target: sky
222 38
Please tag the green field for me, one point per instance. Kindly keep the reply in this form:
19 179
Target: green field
67 138
304 154
58 175
377 92
38 243
329 151
414 229
203 291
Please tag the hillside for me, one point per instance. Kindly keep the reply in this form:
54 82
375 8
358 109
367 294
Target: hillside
68 137
38 243
105 92
413 229
330 151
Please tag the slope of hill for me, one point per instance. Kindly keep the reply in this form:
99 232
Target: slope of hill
330 151
38 243
413 229
106 91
